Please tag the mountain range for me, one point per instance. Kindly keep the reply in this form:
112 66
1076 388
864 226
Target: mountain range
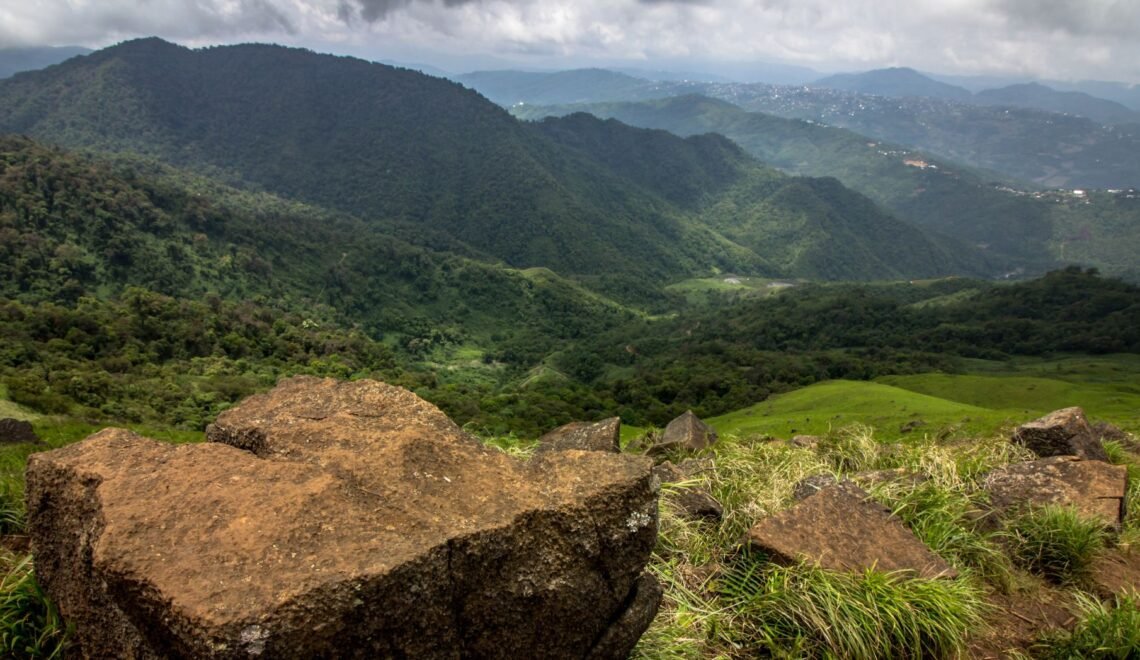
434 164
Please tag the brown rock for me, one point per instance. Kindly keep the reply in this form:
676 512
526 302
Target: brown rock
16 431
805 441
685 433
1063 432
361 522
1095 488
841 528
587 436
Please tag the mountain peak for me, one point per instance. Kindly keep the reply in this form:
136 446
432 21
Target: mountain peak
895 81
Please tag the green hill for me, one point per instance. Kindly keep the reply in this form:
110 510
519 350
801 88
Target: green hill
431 162
1034 231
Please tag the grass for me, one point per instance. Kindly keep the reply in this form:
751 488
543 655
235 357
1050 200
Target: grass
1056 542
823 407
30 626
1106 630
805 611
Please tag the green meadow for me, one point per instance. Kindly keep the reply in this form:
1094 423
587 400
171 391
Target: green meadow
996 396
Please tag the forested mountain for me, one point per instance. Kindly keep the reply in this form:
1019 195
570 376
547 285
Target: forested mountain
1032 230
1036 95
895 82
434 163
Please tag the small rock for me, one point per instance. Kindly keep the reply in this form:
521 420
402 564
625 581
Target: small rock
911 426
1095 488
17 431
1063 432
841 528
586 436
694 503
805 441
685 433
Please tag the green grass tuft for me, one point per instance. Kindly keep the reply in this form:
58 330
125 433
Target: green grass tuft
30 626
805 611
1105 631
1056 542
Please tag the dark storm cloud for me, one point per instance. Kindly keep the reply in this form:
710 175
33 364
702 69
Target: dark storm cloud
374 10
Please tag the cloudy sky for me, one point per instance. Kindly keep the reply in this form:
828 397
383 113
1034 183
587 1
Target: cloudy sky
1062 39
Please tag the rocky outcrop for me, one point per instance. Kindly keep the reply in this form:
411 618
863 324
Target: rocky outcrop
686 433
1095 488
17 431
842 529
586 436
1063 432
333 519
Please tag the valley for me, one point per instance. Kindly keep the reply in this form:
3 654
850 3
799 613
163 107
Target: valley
181 229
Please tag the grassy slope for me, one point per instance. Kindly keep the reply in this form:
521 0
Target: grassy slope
975 403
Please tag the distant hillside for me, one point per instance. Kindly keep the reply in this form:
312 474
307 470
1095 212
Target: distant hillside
435 163
1035 95
15 60
1017 144
1034 231
895 82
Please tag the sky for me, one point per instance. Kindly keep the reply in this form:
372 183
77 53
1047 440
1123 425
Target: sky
1050 39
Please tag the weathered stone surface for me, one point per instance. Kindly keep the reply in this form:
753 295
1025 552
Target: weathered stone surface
1095 488
16 431
1063 432
587 436
685 433
841 528
355 520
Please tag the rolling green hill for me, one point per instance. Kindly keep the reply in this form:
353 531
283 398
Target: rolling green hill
431 161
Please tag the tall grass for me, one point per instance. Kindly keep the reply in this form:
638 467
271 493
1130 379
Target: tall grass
1106 630
806 611
1056 542
30 627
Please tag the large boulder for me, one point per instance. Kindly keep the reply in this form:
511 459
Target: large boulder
1063 432
17 431
841 528
1095 488
587 436
342 520
686 433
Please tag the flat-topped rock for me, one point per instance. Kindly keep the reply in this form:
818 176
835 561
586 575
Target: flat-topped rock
1063 432
1095 488
842 529
586 436
351 520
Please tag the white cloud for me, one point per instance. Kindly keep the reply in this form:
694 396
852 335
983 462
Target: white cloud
1054 38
